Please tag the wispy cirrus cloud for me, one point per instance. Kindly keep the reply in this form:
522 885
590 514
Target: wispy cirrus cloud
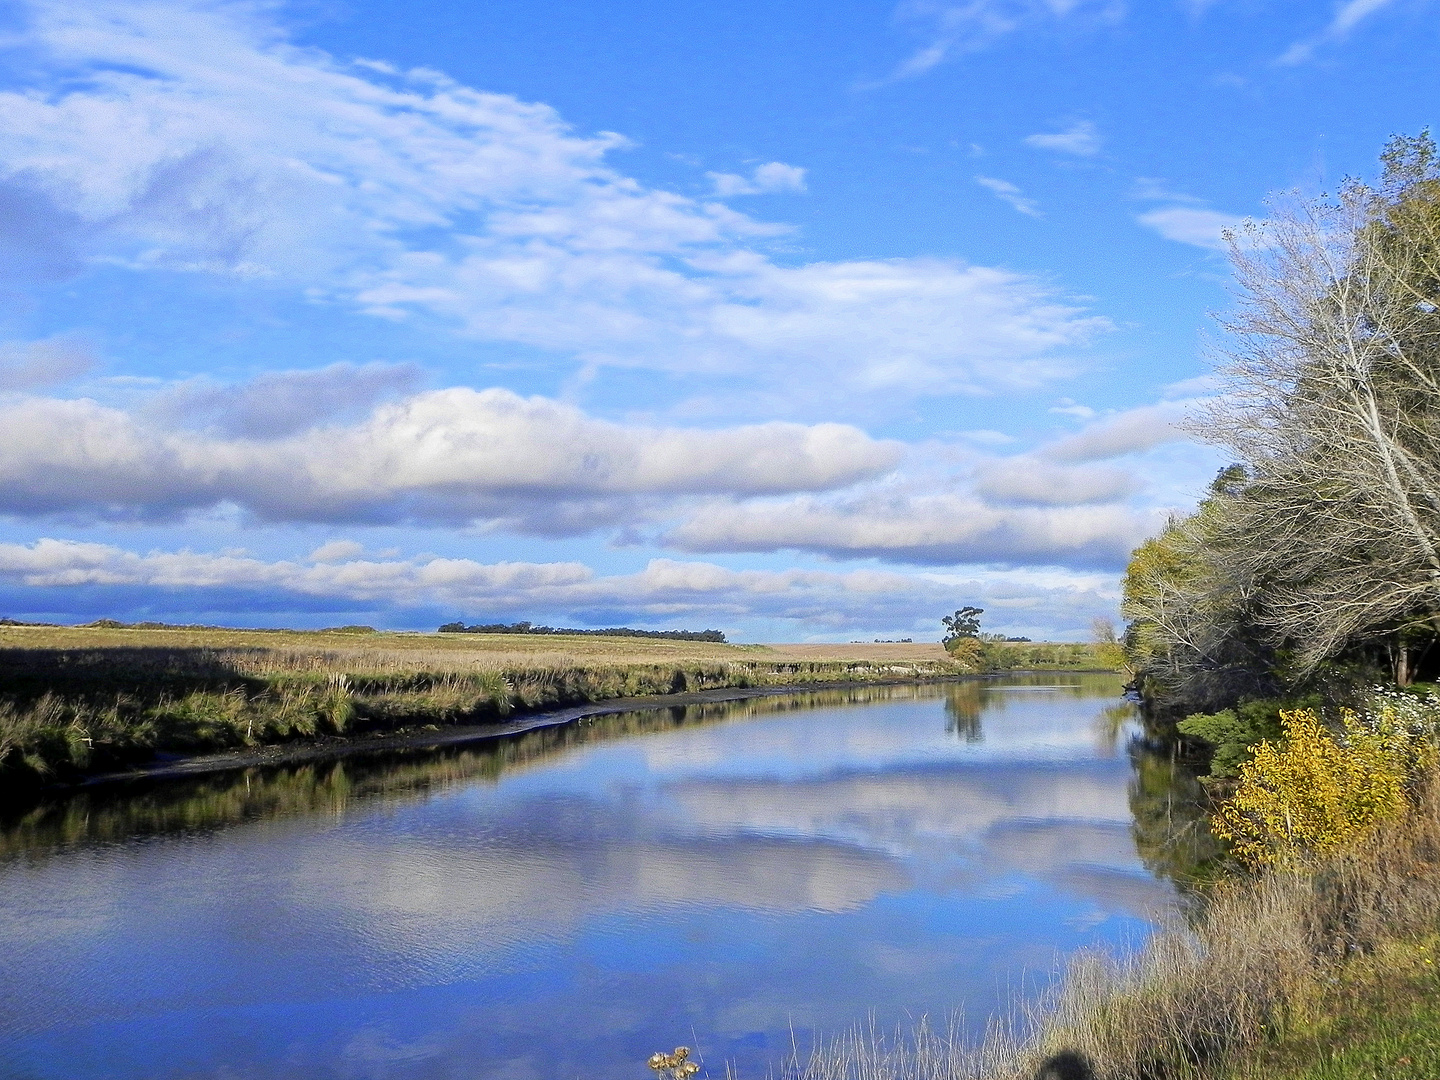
192 136
1081 138
1194 225
1011 194
1348 15
959 28
1184 218
773 177
280 403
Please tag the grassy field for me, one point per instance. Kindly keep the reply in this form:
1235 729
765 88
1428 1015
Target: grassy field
999 656
77 700
379 650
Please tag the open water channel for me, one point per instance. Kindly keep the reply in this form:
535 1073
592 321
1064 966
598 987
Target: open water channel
561 904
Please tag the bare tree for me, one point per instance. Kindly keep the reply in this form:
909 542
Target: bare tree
1332 402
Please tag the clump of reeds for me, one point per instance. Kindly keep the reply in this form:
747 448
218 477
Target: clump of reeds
919 1053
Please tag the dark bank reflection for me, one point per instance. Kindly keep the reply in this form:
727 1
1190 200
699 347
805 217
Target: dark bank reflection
140 808
569 900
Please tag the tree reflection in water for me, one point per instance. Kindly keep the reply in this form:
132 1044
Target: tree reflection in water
964 702
1168 803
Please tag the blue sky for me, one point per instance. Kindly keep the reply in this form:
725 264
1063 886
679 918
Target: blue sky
804 321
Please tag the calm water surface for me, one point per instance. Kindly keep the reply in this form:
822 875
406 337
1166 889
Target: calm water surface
567 902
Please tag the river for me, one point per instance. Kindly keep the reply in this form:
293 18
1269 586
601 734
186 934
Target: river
735 877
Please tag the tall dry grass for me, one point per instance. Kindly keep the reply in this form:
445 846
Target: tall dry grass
82 699
1257 958
455 651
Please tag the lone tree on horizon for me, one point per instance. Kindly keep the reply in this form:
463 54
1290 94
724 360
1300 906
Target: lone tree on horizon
965 623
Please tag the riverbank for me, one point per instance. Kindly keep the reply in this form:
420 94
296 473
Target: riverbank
80 703
1325 969
1379 1018
431 736
1273 962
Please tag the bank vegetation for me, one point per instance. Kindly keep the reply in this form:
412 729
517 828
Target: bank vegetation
75 701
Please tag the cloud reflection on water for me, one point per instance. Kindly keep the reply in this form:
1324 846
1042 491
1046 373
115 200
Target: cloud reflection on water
731 880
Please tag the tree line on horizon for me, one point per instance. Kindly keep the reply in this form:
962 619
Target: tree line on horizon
717 636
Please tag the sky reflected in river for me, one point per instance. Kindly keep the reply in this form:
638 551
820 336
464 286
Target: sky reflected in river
715 879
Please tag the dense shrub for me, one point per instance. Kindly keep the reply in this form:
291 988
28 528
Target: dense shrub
1312 792
1232 733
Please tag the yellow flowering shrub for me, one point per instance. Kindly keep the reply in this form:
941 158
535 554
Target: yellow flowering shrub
1310 792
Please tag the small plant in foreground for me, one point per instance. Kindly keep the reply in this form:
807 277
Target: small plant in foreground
673 1066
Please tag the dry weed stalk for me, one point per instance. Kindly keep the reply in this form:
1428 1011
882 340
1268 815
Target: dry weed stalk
675 1065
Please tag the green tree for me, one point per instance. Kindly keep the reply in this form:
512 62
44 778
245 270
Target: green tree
1192 642
965 623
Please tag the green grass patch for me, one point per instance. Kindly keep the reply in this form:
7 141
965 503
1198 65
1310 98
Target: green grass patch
1380 1018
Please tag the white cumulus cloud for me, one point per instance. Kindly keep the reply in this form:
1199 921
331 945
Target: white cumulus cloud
337 551
455 455
1032 481
1130 432
663 592
940 529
